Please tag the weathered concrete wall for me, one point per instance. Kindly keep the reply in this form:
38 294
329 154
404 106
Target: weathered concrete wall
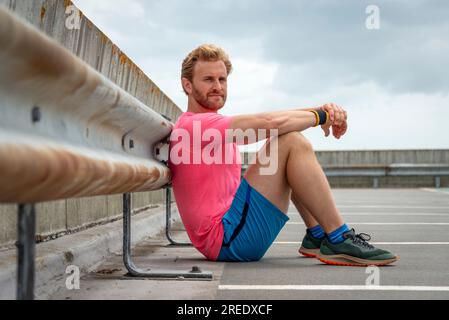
380 157
387 182
94 47
384 157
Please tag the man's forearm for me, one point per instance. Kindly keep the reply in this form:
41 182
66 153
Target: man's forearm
293 120
282 121
308 109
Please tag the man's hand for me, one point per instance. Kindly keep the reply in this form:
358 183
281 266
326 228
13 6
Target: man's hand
338 120
339 131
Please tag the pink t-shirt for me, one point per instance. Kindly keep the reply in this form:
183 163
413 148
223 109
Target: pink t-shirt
205 175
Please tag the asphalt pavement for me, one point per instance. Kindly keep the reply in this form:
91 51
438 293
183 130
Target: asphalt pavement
413 223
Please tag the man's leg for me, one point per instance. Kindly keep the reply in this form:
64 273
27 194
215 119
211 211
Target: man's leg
299 176
306 216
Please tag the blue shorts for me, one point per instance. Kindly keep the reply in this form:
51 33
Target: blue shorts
250 226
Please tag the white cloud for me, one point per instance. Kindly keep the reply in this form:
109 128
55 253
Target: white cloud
105 10
292 54
250 86
113 16
379 120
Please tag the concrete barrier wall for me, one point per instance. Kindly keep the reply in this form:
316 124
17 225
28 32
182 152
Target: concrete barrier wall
383 157
369 157
91 45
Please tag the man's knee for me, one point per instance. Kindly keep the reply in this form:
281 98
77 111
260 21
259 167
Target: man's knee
296 140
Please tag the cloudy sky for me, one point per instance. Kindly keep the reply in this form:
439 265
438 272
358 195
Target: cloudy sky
393 80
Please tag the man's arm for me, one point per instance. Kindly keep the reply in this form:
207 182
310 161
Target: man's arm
308 109
288 121
283 121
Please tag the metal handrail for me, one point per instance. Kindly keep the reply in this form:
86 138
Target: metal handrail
387 170
66 131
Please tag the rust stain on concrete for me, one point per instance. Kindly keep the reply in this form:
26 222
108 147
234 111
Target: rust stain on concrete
43 11
114 50
67 3
104 39
123 58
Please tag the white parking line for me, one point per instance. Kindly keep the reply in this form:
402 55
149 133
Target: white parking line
376 243
411 243
331 288
388 214
392 207
445 190
388 223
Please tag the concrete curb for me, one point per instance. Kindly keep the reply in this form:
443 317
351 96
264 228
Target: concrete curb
86 250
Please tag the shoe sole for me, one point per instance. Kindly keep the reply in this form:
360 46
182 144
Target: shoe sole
309 253
349 261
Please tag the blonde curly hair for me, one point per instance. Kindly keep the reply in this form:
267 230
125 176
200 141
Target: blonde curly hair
205 52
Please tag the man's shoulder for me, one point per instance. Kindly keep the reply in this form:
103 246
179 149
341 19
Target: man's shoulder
189 117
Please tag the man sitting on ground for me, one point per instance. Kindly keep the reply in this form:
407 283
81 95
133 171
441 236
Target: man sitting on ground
232 219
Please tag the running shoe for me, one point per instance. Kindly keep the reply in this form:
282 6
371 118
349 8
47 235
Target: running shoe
310 246
354 251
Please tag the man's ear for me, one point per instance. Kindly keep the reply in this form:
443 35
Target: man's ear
187 85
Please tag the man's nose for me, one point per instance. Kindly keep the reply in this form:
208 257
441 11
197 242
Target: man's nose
216 85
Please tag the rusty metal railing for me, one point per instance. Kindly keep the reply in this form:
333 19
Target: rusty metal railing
66 131
377 172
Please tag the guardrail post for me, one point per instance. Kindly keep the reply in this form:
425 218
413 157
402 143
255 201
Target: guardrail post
194 274
168 220
437 182
375 183
26 245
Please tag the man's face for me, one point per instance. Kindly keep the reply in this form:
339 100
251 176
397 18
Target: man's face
209 86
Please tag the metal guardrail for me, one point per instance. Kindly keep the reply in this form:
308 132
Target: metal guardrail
394 170
388 170
66 131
